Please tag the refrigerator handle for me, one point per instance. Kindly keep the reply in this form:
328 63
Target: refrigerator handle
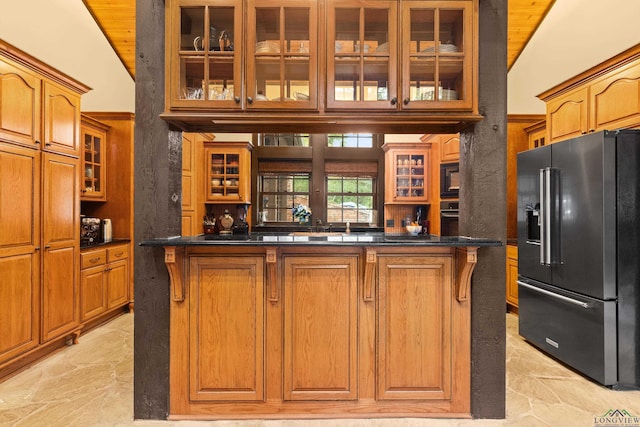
554 295
542 219
547 214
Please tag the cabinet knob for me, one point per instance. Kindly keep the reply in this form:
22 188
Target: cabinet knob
406 101
394 101
237 99
591 130
250 100
38 142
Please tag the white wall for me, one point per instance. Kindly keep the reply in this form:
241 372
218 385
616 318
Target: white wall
575 36
63 34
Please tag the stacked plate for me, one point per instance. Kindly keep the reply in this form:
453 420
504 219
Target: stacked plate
384 47
444 48
267 47
448 95
302 96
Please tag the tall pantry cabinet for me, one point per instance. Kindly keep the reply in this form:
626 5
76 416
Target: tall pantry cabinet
39 208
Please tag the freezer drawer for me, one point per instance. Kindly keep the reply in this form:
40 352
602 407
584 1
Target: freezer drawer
577 330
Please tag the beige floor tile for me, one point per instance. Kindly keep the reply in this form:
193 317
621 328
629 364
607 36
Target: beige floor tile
91 384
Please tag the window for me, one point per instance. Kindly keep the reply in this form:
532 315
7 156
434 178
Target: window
354 140
280 192
351 199
283 140
338 177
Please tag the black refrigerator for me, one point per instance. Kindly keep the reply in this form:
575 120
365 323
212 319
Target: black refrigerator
579 254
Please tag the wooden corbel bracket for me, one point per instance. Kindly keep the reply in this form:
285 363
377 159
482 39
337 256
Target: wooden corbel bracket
370 274
272 275
467 258
174 260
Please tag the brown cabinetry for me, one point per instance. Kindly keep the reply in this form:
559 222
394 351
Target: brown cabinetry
407 172
104 283
320 341
449 148
228 172
226 330
94 166
20 249
438 55
328 61
604 97
39 229
289 332
512 278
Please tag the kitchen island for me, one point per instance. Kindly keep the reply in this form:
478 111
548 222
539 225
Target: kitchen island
320 325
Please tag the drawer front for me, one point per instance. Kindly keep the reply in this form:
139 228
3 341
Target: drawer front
118 252
584 338
93 258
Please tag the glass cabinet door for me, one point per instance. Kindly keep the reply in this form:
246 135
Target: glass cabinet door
362 54
282 54
411 179
437 54
94 171
206 53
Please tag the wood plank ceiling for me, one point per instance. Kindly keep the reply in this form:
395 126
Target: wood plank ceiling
117 19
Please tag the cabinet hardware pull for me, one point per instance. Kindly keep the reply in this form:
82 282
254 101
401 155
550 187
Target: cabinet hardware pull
47 144
37 248
250 100
406 101
94 260
237 99
394 101
119 254
47 246
38 142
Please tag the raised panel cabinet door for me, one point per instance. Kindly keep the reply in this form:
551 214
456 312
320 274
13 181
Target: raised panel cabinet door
117 283
615 100
414 327
450 148
227 329
320 328
19 249
20 105
61 241
60 307
92 292
61 120
567 116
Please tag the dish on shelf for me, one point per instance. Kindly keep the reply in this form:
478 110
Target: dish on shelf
384 47
301 96
267 47
444 48
338 47
261 98
286 99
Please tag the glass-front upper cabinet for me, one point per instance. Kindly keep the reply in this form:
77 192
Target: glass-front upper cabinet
362 54
205 53
282 54
438 54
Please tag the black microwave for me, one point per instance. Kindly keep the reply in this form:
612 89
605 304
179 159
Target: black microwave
449 180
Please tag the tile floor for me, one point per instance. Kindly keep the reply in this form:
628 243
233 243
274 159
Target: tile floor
91 384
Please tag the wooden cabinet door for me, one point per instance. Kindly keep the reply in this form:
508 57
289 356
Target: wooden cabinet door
227 329
320 328
567 115
228 173
92 292
61 240
414 327
282 54
61 120
94 155
362 55
407 173
615 100
450 148
438 57
512 276
19 249
117 285
20 105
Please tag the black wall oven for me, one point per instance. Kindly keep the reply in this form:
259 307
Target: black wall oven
449 180
449 218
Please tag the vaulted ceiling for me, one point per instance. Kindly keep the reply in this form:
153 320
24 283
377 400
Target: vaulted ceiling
117 19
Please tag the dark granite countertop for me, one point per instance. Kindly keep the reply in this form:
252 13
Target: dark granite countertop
103 244
320 239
